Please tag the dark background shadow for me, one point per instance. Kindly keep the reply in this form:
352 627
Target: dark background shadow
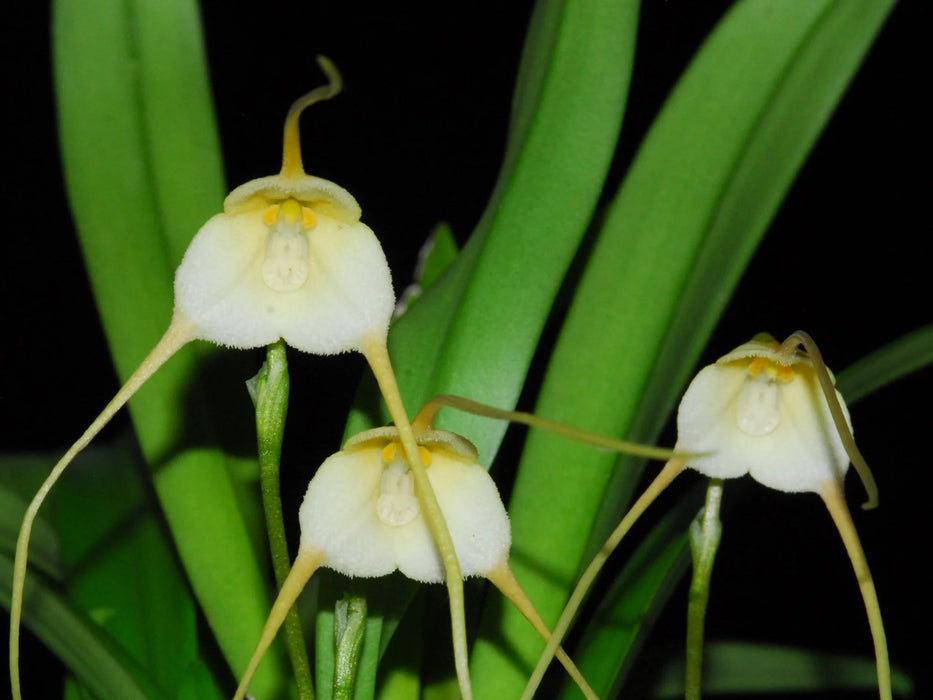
417 137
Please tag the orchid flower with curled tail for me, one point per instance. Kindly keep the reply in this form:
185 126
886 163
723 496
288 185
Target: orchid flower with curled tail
770 410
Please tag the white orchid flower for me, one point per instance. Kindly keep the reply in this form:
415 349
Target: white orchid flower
361 518
760 410
770 410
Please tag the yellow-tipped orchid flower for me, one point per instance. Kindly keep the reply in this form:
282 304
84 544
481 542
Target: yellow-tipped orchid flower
360 517
770 410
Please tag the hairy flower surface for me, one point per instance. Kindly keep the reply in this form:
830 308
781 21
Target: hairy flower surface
761 411
289 258
361 513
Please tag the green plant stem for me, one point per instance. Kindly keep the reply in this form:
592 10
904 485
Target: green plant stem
349 627
269 390
705 533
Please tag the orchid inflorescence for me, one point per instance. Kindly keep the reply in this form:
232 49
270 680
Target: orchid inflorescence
290 259
287 259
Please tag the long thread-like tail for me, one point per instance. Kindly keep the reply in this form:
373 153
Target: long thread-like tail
661 482
306 563
377 354
835 502
180 332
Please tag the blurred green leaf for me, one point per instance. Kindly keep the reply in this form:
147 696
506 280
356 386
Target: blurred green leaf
197 684
21 476
636 596
476 329
143 173
894 361
745 669
698 197
99 663
121 566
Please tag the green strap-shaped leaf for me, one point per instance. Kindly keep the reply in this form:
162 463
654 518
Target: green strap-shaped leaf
697 198
476 329
121 565
143 172
895 360
99 663
743 669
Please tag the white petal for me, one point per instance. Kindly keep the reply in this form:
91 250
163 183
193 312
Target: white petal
796 449
339 518
805 450
476 519
706 422
347 294
338 515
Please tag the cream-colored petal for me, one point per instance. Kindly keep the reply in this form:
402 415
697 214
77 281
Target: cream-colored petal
338 515
706 422
476 518
780 432
347 293
805 450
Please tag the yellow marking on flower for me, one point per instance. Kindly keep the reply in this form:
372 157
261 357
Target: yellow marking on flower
390 451
285 268
773 370
270 217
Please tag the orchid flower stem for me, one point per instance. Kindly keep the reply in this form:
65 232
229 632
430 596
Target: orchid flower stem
349 627
661 482
705 534
269 390
180 332
377 354
425 418
835 502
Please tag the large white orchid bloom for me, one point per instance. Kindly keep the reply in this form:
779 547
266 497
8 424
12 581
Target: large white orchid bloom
361 514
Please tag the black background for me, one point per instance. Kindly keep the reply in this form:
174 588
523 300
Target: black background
417 137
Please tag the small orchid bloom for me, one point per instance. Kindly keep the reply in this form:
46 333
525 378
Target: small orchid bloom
361 518
760 410
288 258
770 410
361 514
